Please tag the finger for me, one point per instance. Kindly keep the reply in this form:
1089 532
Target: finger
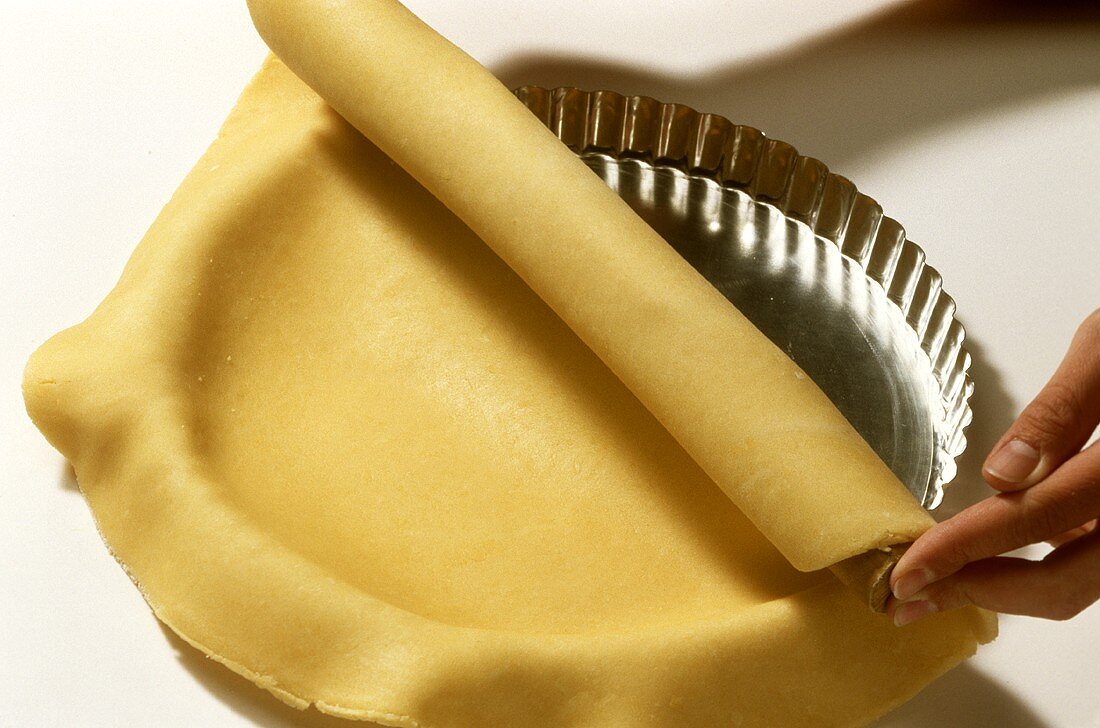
1071 534
1057 423
1069 498
1060 586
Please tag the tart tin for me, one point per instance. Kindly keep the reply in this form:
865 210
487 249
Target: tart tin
811 261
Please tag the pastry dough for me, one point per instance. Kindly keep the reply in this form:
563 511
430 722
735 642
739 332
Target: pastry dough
344 450
743 410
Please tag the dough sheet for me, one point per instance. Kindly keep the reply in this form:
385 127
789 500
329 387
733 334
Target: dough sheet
345 450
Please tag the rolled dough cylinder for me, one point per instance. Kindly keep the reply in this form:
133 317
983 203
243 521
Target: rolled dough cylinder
745 412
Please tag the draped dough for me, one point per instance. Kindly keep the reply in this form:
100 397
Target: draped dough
745 412
344 450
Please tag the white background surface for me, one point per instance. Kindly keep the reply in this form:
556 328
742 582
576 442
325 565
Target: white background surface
979 131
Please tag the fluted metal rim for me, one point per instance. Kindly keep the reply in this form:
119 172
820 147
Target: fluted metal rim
803 189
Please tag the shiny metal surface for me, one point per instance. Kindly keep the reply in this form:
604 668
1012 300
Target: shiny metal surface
813 263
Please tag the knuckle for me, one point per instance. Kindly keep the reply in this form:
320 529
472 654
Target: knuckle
949 594
1076 595
948 552
954 556
1047 517
1055 410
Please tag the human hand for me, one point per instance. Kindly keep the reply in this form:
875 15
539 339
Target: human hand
1049 491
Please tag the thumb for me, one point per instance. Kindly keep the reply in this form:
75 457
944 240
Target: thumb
1057 423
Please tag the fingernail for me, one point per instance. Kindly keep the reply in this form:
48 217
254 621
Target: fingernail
1014 462
912 611
912 582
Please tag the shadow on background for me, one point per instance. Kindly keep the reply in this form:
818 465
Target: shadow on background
963 697
68 478
904 71
246 699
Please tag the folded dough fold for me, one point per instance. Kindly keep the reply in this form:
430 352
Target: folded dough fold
744 411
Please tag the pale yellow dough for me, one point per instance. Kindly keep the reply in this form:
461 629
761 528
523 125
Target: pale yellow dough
343 449
743 410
